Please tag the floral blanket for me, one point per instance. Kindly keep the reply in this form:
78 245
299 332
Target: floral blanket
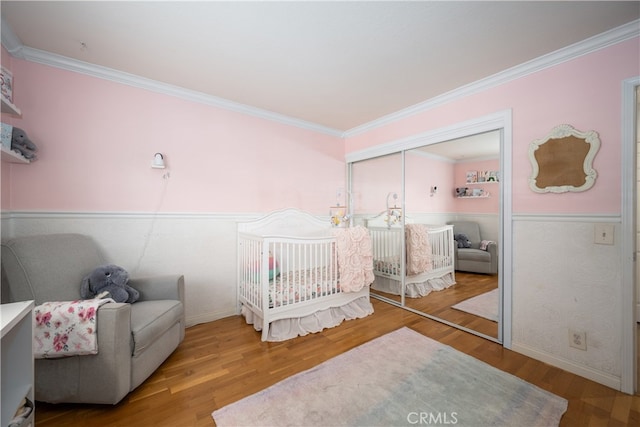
66 328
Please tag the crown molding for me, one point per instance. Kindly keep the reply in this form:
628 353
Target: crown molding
625 32
584 47
9 39
14 46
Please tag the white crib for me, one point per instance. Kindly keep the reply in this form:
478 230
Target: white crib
387 253
288 277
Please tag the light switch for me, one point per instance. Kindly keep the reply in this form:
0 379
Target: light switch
604 234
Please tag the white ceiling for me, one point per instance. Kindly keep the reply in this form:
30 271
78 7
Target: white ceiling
336 64
482 146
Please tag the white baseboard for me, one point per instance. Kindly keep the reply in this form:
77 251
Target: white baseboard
586 372
209 317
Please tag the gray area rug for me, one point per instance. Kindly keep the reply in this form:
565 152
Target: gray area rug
484 305
401 378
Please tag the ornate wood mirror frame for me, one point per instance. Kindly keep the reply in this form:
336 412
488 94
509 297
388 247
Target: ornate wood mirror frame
563 161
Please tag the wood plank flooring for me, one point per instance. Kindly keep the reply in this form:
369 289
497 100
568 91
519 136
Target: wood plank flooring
223 361
468 285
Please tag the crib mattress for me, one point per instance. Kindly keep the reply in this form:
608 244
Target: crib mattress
301 285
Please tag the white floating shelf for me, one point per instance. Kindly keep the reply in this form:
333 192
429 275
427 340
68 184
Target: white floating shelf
9 108
10 156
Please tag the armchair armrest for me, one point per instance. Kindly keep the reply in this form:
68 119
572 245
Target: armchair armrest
114 324
492 248
159 287
74 379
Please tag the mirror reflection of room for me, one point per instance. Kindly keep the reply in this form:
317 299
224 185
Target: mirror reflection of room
441 258
466 175
376 201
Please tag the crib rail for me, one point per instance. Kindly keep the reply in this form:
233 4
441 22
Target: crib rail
386 245
442 250
387 249
275 272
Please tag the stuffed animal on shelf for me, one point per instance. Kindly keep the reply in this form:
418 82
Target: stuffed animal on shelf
21 144
110 279
462 240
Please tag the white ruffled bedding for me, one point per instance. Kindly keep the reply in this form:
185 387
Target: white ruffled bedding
414 289
284 329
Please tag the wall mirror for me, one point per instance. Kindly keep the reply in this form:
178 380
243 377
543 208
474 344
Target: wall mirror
427 178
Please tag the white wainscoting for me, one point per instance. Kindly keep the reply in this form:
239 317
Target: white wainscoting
200 246
562 280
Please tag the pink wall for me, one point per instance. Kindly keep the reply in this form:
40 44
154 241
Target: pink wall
374 179
490 204
421 174
584 92
97 139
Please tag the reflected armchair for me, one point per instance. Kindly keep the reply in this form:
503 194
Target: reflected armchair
474 259
133 339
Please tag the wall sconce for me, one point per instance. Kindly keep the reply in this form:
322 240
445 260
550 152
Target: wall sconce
158 161
394 213
338 216
434 190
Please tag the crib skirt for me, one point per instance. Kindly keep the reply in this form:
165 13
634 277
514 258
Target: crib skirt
414 290
284 329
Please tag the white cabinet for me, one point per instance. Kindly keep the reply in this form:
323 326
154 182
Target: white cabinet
17 359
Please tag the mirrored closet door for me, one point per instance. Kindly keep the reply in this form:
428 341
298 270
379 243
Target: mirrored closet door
376 191
456 183
434 212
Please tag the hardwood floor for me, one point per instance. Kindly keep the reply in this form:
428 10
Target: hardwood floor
440 303
468 285
223 361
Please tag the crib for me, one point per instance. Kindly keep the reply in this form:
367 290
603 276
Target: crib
438 271
289 277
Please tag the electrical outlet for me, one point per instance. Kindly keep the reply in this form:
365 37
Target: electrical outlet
603 234
578 339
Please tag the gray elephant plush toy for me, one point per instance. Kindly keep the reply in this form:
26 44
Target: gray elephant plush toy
108 281
462 240
21 143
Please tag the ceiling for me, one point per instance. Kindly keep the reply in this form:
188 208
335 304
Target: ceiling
482 146
336 64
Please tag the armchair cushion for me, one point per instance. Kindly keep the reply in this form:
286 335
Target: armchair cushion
150 320
477 258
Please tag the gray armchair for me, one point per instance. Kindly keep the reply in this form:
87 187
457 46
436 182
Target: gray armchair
474 259
133 339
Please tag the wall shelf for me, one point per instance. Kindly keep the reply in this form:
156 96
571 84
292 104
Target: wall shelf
9 108
482 183
486 196
10 156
